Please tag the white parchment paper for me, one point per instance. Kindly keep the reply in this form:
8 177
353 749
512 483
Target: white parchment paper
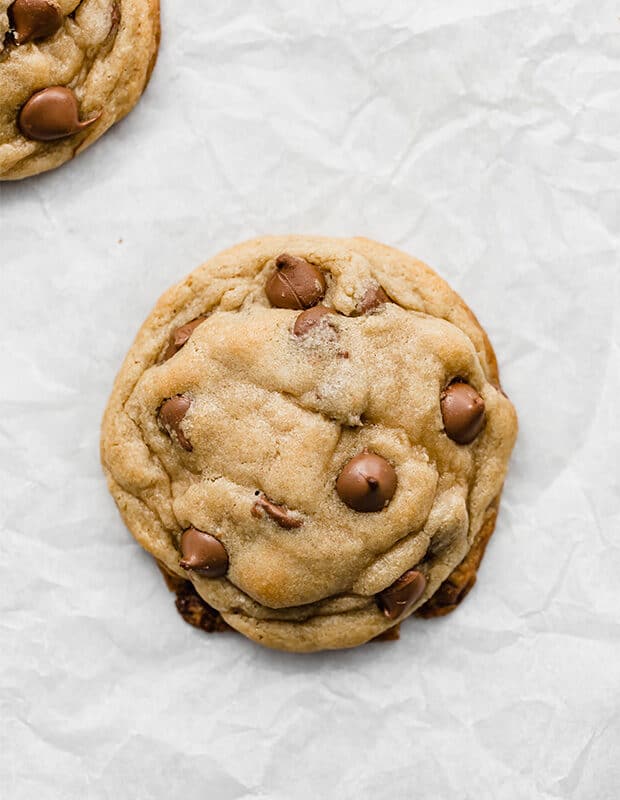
482 136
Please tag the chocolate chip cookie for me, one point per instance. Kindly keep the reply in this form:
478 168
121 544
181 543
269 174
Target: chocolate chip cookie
68 71
309 436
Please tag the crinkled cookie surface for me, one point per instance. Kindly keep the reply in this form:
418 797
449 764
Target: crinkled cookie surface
68 71
312 431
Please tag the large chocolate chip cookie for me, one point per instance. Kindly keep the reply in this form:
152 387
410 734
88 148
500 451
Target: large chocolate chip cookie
312 432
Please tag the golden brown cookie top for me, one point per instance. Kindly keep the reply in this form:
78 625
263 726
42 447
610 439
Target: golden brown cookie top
68 71
324 416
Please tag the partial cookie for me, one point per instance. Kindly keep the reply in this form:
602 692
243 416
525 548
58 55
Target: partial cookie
312 432
68 71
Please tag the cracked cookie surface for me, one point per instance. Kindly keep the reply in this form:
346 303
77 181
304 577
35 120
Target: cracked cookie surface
312 431
68 71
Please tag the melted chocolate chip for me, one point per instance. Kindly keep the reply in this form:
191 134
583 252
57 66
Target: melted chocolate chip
180 336
171 415
373 298
203 554
115 16
279 514
52 114
34 19
367 482
309 319
462 409
398 598
295 284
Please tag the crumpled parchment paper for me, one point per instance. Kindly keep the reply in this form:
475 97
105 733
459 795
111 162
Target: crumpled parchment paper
480 135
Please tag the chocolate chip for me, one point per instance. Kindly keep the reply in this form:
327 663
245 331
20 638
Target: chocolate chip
462 409
203 554
295 284
310 318
367 482
171 415
279 514
34 19
52 114
373 298
180 336
398 598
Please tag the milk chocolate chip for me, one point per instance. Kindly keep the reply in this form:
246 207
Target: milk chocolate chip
295 284
367 482
52 114
115 17
34 19
180 336
373 298
279 514
398 598
462 409
171 415
203 554
310 318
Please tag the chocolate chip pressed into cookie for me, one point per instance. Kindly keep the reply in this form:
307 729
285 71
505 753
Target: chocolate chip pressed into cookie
68 71
309 436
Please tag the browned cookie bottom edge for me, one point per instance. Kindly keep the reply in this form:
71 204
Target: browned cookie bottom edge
191 606
461 580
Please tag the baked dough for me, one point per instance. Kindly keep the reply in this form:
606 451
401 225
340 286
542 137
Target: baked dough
240 432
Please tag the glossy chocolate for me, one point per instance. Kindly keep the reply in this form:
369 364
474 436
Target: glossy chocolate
180 336
279 514
398 598
309 319
171 415
367 482
203 554
295 284
462 409
373 298
31 20
52 114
